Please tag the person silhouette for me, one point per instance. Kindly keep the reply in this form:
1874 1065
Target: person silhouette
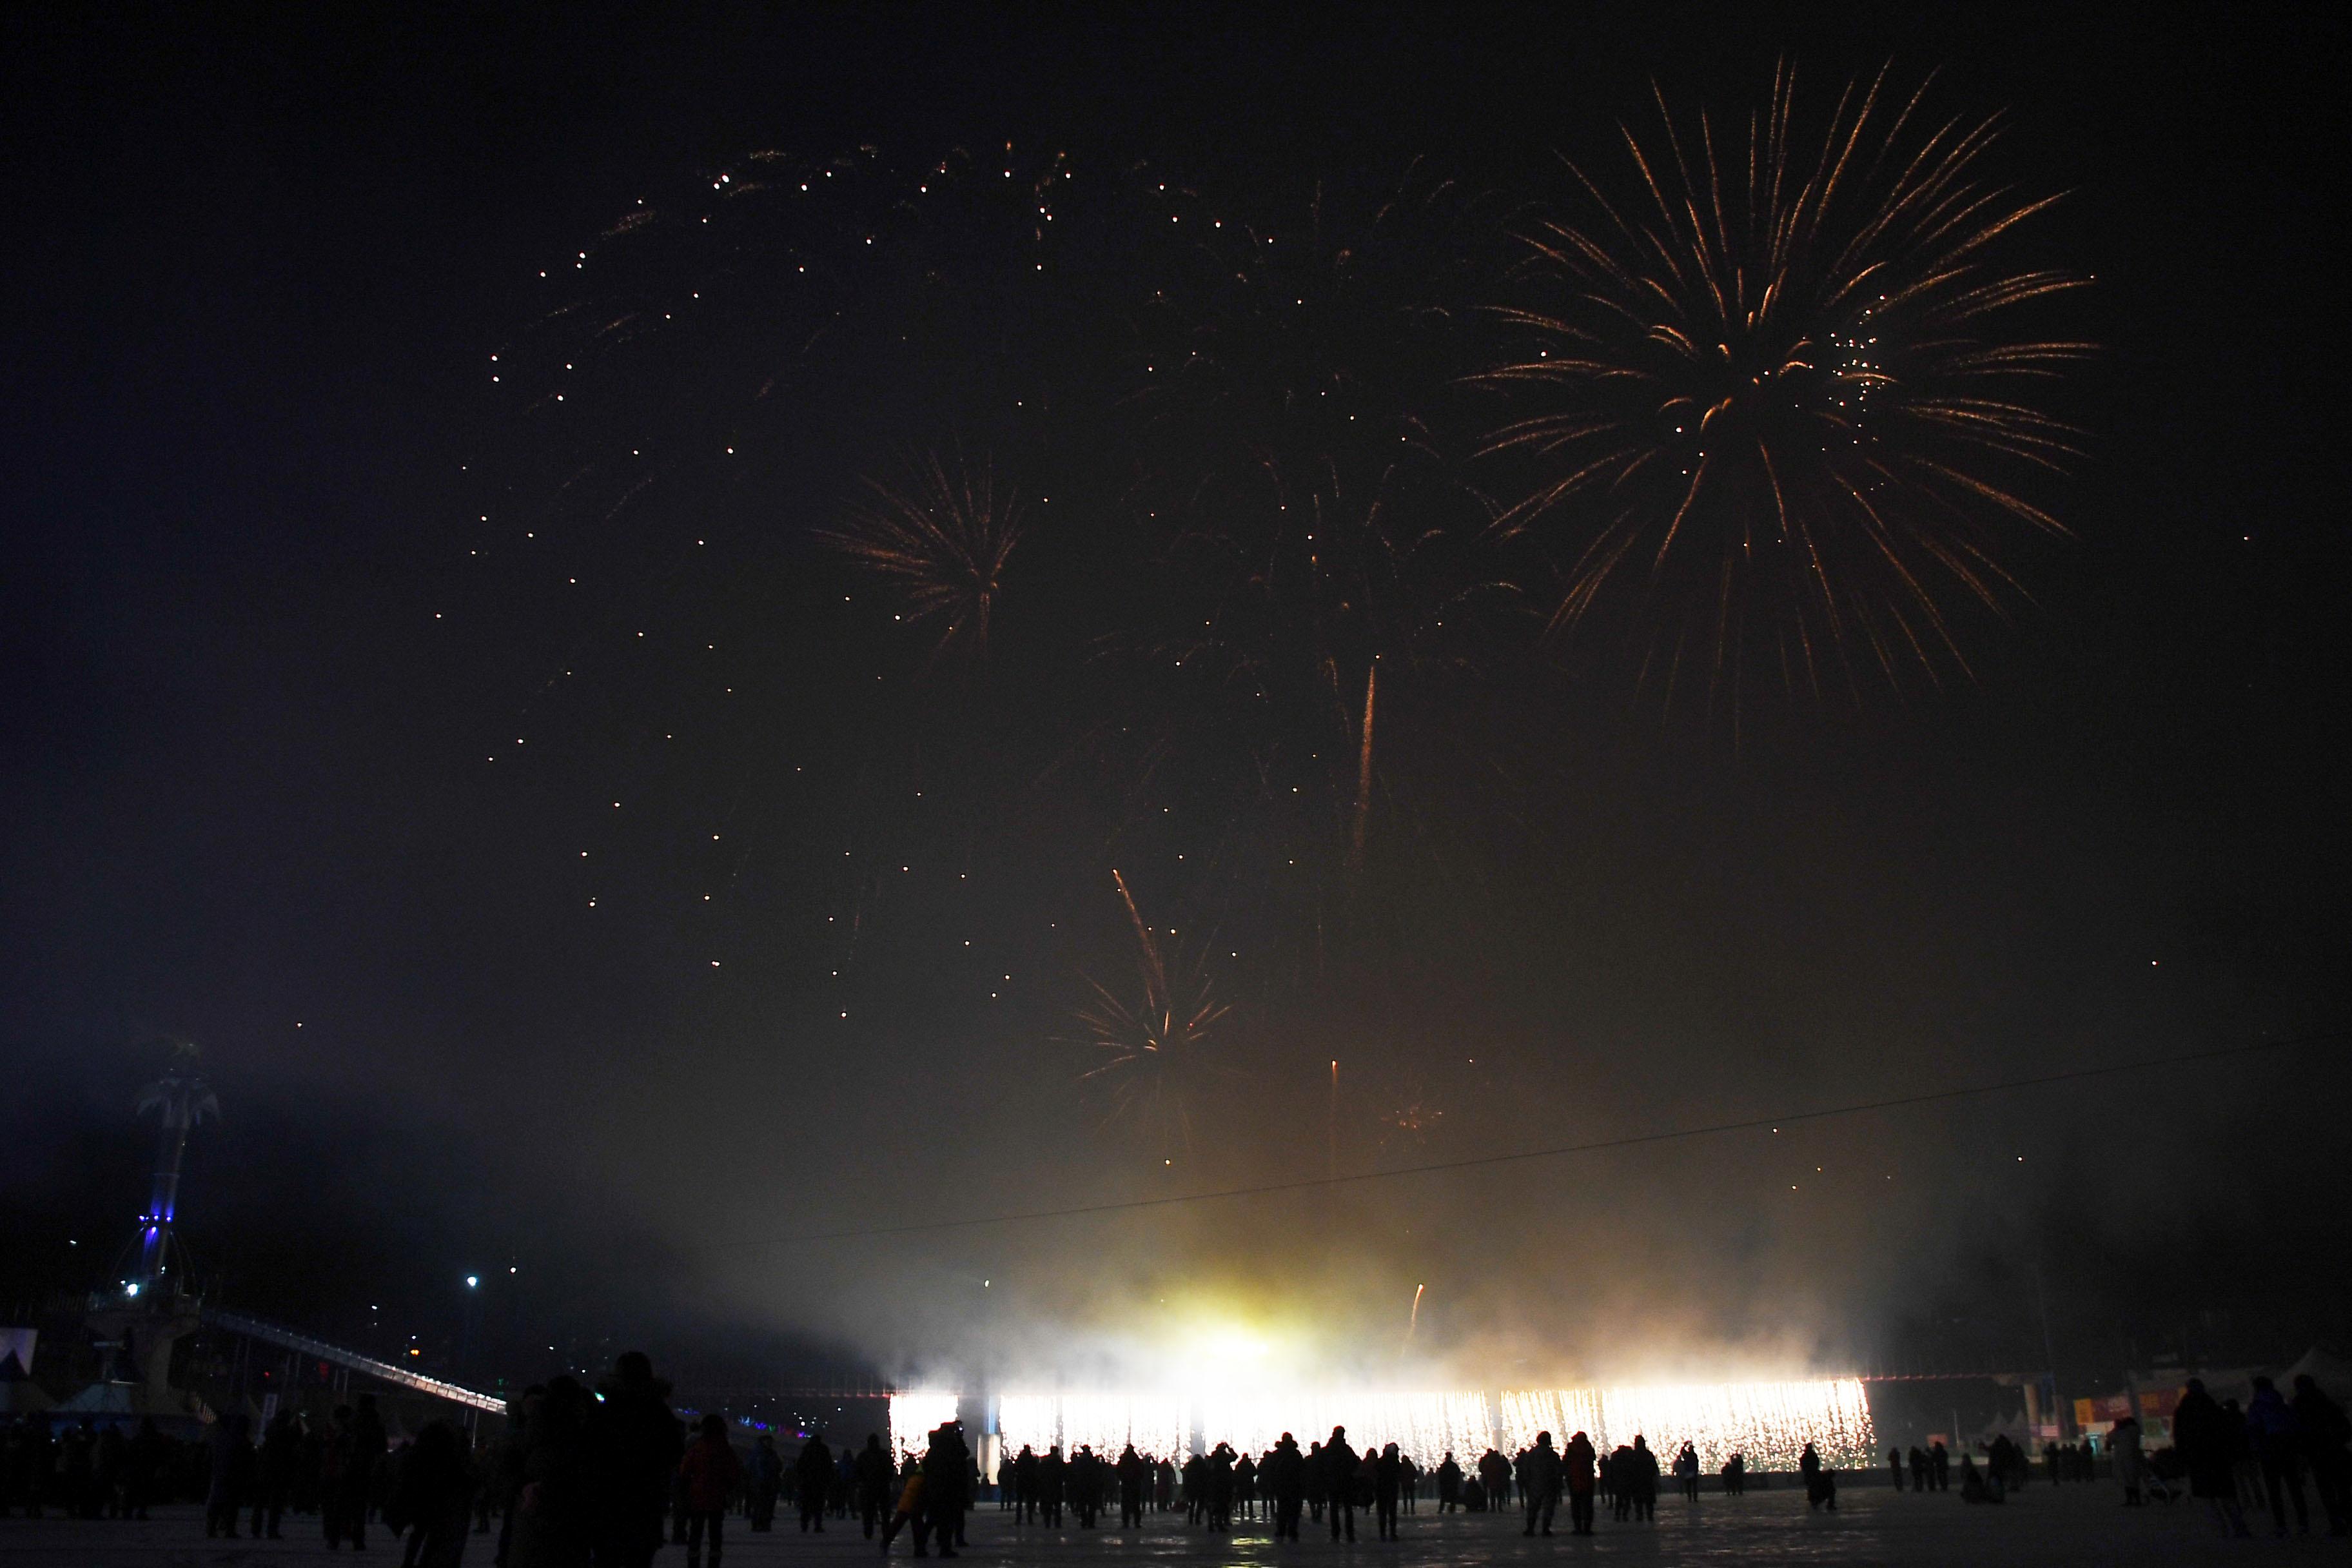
1539 1484
1581 1463
1286 1477
1339 1481
1388 1476
813 1473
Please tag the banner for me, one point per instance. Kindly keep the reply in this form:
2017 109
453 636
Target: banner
2103 1410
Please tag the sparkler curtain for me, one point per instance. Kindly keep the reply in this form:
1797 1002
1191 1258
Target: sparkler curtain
914 1416
1769 1423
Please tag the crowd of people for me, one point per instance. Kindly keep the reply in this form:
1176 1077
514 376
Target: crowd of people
606 1476
88 1471
1329 1482
344 1471
2237 1459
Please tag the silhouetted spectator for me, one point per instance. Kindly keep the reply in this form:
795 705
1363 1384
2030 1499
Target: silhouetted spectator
2325 1433
107 1472
875 1481
281 1449
343 1495
1134 1487
1339 1482
2210 1446
2131 1463
232 1475
1643 1476
637 1444
1387 1476
712 1473
436 1495
814 1471
1821 1482
947 1471
75 1466
764 1479
1286 1478
1539 1484
908 1510
1494 1473
1580 1463
2275 1435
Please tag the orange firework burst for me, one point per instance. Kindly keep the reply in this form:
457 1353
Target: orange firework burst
1791 400
1152 1045
940 539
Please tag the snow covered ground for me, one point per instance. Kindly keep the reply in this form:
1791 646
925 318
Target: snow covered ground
2077 1526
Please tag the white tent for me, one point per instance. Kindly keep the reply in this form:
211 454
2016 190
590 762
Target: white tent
2333 1373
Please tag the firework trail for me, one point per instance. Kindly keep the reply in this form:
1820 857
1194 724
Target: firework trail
1152 1045
1786 395
1317 573
939 542
1364 771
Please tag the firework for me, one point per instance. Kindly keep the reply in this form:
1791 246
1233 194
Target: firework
1408 1125
1423 1426
1785 392
1151 1046
939 542
916 1414
1028 1421
1769 1423
1314 568
1308 518
1156 1424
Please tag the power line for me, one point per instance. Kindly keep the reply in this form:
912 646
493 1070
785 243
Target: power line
1747 1124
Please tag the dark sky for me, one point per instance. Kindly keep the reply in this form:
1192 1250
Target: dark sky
256 267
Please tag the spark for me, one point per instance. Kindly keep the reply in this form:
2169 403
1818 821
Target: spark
1150 1046
1783 386
940 538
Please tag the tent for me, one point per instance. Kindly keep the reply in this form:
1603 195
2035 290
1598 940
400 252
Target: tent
2333 1373
23 1396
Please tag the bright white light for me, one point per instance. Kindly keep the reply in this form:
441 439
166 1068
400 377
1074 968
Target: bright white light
1024 1420
1423 1426
1161 1423
1769 1423
473 1281
913 1416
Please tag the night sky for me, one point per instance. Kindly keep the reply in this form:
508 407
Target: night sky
774 916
